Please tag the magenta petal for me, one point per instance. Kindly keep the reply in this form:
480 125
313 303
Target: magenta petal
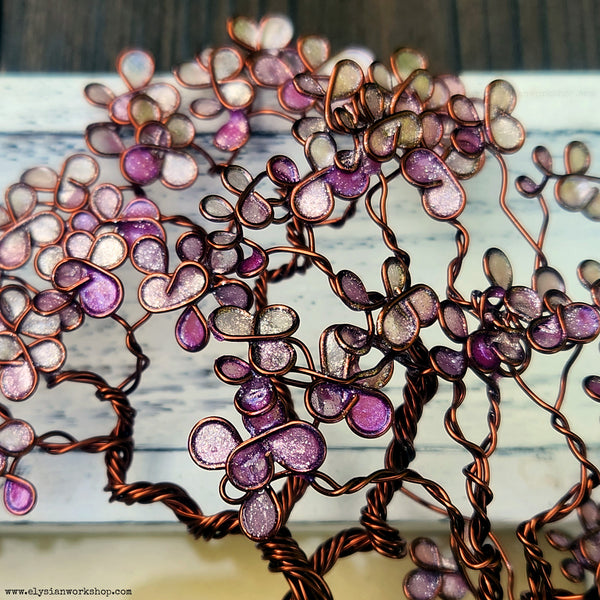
292 99
19 495
234 134
141 208
482 352
191 330
141 165
84 221
134 229
259 515
370 415
591 385
254 264
347 184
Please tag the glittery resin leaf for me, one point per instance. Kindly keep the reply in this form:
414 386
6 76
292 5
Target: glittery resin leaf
160 292
368 413
16 436
191 330
442 195
260 515
19 495
211 441
100 292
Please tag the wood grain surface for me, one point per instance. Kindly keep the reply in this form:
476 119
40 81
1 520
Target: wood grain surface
457 35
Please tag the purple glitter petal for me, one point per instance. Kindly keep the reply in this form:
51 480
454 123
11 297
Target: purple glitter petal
425 553
443 196
371 415
255 211
353 289
134 229
481 351
191 330
422 585
101 295
581 322
15 248
149 255
273 357
256 425
234 134
190 246
50 301
248 467
398 323
547 333
256 396
141 208
312 200
84 221
270 70
451 363
19 495
469 140
523 302
347 184
106 201
297 446
141 165
454 587
232 368
16 436
328 401
234 293
259 515
211 441
159 292
425 303
254 264
18 381
454 321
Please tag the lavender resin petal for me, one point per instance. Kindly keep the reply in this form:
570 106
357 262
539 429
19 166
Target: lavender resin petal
328 401
19 495
297 446
591 385
547 333
255 425
581 321
292 99
233 294
454 587
312 200
18 381
347 184
421 584
353 290
232 368
255 396
443 196
273 357
259 515
283 170
248 467
451 363
149 255
370 415
523 302
211 441
16 436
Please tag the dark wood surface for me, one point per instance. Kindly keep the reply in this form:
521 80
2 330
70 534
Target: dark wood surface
457 35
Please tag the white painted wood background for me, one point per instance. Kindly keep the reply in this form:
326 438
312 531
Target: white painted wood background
41 122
